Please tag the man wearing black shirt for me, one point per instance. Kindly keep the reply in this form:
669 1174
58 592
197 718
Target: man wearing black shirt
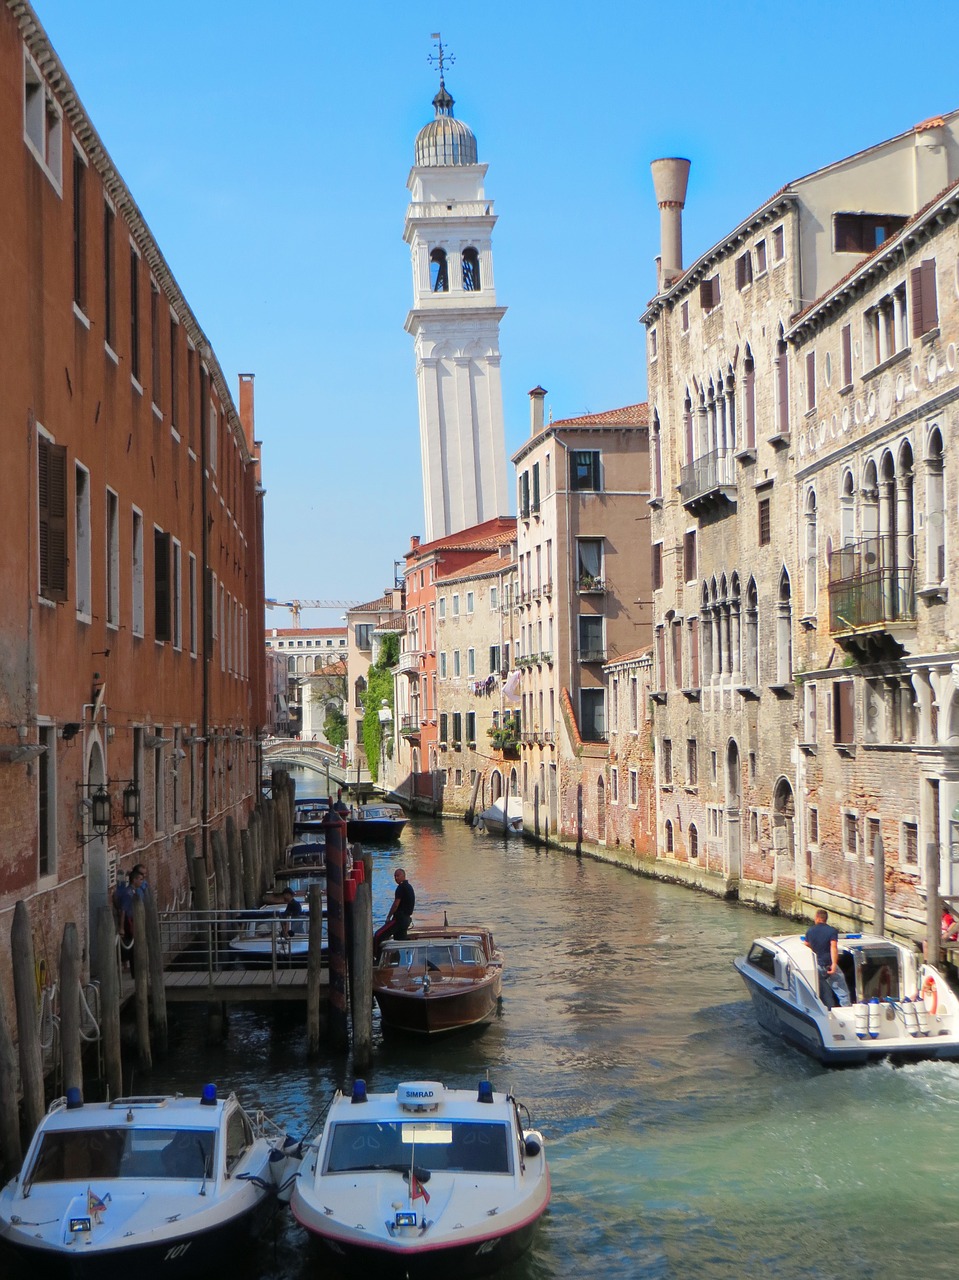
400 915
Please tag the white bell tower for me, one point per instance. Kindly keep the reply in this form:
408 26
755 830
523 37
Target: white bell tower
455 327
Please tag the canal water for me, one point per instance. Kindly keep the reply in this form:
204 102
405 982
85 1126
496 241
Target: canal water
682 1141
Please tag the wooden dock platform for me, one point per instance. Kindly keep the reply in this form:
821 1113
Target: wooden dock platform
237 984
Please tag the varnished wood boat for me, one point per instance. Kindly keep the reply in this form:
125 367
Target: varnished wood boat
440 978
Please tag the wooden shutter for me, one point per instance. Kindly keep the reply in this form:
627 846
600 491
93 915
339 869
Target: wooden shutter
924 301
846 355
844 709
52 481
811 380
161 584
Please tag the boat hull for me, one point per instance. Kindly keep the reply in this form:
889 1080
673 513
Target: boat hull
182 1256
475 1257
436 1012
375 830
810 1034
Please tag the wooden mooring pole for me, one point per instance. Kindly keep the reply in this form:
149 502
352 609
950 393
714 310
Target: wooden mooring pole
28 1032
71 1061
11 1153
933 904
361 973
314 968
109 1001
155 962
140 959
334 829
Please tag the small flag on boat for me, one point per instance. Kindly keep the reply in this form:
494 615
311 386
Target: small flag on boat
94 1204
418 1188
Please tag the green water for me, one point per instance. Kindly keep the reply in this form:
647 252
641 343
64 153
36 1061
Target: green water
682 1140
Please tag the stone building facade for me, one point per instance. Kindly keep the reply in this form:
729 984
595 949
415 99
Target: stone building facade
630 800
875 508
735 386
583 597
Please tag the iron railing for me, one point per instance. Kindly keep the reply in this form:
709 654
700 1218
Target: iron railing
867 591
709 473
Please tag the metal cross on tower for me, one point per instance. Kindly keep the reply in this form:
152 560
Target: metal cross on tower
441 59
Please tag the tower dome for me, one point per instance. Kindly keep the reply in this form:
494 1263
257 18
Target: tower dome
445 140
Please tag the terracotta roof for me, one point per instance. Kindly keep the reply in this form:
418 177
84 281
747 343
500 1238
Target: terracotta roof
393 622
636 656
374 606
479 537
631 415
488 565
337 668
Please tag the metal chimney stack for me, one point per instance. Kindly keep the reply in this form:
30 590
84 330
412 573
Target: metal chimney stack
670 177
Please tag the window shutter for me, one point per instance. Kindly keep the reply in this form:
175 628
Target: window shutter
161 592
209 604
811 380
52 480
915 301
846 337
930 310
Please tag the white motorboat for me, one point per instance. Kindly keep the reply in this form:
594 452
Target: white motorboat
504 817
144 1187
901 1007
268 932
423 1182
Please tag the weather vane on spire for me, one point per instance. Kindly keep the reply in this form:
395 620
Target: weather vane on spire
440 59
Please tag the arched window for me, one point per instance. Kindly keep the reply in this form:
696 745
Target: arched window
668 836
749 400
706 630
735 626
688 453
935 510
358 690
847 512
812 554
751 645
781 365
513 783
729 434
439 272
471 270
656 442
693 841
784 820
784 631
600 809
905 536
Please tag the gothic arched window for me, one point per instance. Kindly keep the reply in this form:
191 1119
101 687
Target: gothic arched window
784 631
812 554
935 510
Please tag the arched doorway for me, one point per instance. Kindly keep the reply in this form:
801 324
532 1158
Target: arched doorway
601 809
733 828
784 822
495 785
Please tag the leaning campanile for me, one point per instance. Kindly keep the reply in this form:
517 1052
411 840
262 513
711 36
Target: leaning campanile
454 324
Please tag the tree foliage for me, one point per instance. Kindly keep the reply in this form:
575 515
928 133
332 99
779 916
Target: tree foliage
379 689
335 726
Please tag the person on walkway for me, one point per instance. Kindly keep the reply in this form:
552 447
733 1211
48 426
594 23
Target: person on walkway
823 941
293 911
125 895
400 915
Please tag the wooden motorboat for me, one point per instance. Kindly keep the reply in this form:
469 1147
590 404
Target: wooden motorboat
423 1182
261 937
143 1186
440 978
902 1008
309 816
375 823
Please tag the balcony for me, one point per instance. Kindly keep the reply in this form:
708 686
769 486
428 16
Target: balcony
410 726
409 662
588 584
592 655
709 478
869 594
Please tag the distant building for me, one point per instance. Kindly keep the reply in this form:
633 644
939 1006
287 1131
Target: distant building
584 599
630 800
132 526
366 623
305 650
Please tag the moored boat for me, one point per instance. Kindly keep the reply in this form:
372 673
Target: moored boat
143 1186
423 1182
901 1007
439 978
504 817
267 934
375 823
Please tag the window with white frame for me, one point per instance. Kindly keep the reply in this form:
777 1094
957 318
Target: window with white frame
634 789
137 587
850 833
442 664
614 785
471 662
909 843
813 825
42 123
809 711
935 510
442 608
886 327
113 559
194 622
469 602
456 606
176 599
456 662
83 543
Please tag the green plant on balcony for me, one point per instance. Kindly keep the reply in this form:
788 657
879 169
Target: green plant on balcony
505 736
589 582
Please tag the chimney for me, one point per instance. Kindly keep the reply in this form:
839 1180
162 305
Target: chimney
414 541
246 408
536 398
669 180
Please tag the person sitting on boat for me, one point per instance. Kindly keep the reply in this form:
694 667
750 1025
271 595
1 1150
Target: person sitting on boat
293 911
823 941
949 926
400 915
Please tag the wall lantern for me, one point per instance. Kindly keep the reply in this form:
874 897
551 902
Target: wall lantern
100 805
131 803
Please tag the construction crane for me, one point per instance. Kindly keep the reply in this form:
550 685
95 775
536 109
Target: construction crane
295 606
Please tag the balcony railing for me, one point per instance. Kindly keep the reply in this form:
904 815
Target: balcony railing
865 591
592 655
590 585
409 660
711 475
409 726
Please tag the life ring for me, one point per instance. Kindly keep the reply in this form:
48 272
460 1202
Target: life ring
930 995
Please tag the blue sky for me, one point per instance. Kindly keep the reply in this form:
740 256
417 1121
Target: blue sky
268 147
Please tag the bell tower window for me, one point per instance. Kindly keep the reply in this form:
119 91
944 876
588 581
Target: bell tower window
471 270
439 272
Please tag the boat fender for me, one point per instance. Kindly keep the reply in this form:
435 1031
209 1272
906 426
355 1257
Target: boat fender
861 1016
533 1143
873 1009
910 1017
930 994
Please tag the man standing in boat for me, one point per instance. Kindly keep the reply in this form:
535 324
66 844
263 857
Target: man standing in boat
400 915
823 941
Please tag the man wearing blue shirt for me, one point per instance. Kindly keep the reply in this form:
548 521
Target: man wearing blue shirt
823 941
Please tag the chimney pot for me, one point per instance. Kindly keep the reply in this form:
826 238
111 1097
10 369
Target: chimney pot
670 177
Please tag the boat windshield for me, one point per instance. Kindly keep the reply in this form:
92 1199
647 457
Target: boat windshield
73 1155
475 1146
433 958
879 974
